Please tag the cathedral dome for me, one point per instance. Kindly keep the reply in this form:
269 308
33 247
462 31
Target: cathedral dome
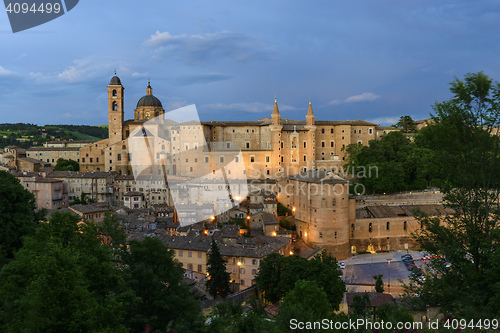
115 80
149 100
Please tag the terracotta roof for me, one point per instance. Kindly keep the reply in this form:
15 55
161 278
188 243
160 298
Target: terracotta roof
87 209
376 299
317 176
382 211
133 194
53 149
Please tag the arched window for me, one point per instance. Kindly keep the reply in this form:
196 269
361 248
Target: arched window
370 227
114 92
388 226
157 114
115 106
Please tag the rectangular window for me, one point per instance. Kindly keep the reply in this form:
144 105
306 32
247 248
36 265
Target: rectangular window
267 159
190 254
247 145
180 253
199 254
323 144
305 144
206 159
221 159
252 159
199 269
228 145
370 131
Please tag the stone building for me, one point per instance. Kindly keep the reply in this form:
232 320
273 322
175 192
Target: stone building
49 193
270 148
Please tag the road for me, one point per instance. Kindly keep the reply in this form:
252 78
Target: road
360 270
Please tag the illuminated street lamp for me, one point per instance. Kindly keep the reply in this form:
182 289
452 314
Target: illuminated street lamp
389 268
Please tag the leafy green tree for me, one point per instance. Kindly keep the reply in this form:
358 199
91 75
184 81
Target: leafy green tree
219 277
62 280
282 210
393 164
156 280
391 313
228 317
465 136
66 165
379 284
306 302
269 277
328 275
407 124
82 200
17 218
360 307
278 275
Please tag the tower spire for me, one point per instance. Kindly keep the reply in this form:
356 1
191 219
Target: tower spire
149 90
310 108
275 108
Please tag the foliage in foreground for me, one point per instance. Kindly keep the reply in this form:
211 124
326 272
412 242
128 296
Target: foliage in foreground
465 134
76 277
278 274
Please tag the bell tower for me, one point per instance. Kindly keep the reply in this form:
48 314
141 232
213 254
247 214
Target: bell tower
115 110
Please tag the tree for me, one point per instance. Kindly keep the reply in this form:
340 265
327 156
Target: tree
306 302
407 124
218 276
393 164
465 136
282 210
81 200
62 280
156 280
66 165
17 207
278 275
379 284
360 305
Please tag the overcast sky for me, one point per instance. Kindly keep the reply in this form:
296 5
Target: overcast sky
374 59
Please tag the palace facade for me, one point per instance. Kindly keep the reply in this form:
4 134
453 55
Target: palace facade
272 148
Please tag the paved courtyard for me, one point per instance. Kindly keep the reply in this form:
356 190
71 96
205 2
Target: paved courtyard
360 270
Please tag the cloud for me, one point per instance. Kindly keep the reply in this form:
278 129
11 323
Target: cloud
254 107
364 97
192 49
5 72
88 68
186 80
385 121
137 74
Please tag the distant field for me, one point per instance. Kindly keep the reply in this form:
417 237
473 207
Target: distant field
81 136
103 126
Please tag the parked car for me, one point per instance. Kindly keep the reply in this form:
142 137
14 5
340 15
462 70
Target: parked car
342 265
406 256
